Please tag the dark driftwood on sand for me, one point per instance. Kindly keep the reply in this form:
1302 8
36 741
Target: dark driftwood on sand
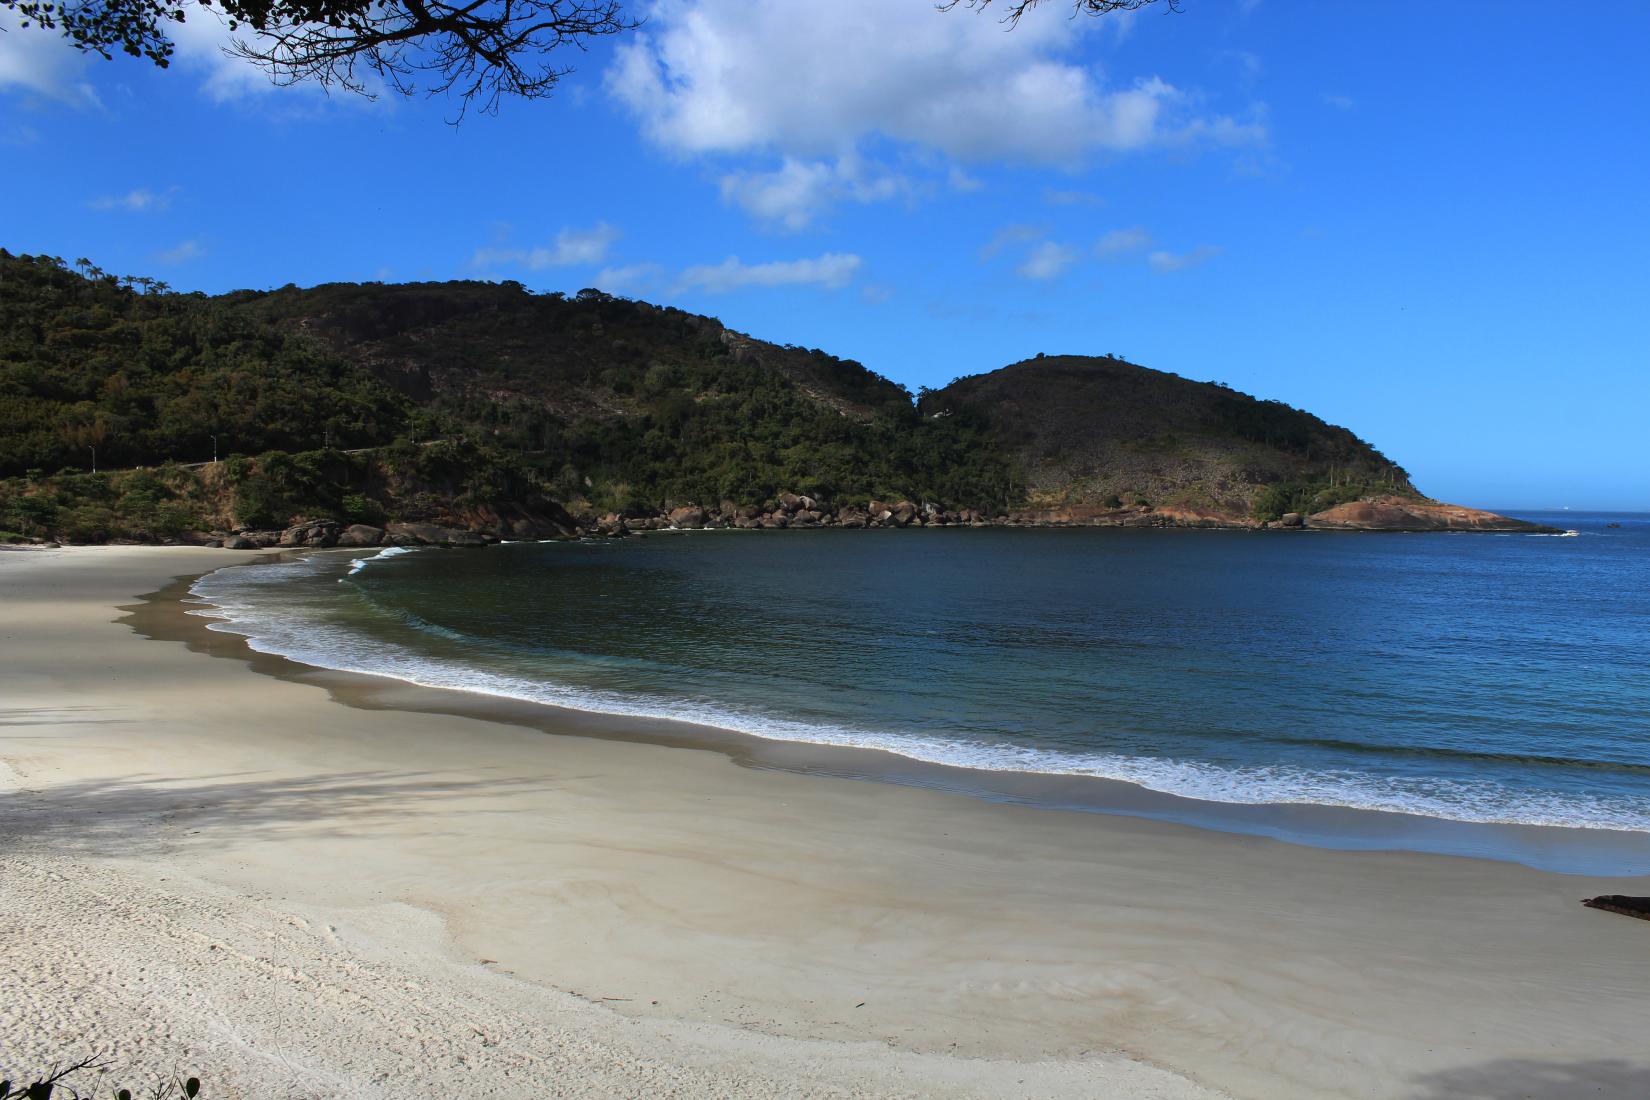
1620 903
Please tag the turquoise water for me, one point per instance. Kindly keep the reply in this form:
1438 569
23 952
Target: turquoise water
1474 678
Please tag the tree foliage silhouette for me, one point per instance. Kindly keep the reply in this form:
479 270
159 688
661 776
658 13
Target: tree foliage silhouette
479 50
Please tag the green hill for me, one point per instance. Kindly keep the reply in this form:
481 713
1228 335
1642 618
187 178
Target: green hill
1086 431
485 406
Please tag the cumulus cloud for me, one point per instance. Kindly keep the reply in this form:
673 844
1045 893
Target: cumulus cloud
43 62
573 247
797 192
815 80
831 270
138 201
1047 260
201 40
1165 262
1119 241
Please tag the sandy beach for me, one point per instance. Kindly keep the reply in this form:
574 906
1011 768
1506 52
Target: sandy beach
210 869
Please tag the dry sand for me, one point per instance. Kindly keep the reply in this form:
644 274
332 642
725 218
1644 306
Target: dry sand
207 869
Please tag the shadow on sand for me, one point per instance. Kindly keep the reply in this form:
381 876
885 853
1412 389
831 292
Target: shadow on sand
1528 1079
126 815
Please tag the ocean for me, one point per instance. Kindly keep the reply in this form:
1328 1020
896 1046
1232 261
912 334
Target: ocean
1471 678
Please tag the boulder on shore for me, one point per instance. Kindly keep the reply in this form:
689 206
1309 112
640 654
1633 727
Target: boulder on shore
429 534
360 534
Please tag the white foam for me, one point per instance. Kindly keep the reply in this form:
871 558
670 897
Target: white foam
388 552
279 627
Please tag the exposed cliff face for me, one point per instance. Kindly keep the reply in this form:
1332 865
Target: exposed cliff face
1088 430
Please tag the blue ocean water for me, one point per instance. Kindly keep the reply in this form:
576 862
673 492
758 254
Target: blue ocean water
1467 677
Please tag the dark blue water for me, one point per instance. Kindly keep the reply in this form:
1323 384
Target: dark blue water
1470 677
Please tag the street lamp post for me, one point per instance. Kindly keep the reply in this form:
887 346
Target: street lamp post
214 450
94 458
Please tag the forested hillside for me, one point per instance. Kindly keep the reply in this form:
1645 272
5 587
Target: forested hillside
612 403
474 402
1087 430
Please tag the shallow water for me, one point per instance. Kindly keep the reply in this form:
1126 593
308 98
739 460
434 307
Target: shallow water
1476 678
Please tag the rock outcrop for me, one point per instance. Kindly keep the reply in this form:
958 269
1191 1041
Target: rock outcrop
1396 514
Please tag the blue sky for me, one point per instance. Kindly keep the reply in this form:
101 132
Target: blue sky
1428 222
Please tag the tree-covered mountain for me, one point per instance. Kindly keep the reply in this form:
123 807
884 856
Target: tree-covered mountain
599 405
1085 431
614 404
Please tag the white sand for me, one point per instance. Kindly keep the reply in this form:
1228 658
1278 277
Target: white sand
207 869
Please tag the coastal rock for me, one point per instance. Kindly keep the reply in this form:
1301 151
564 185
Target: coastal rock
690 515
360 534
1398 514
789 502
239 542
429 534
1291 519
1626 905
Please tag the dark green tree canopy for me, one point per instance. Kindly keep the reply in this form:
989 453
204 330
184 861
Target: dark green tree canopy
479 50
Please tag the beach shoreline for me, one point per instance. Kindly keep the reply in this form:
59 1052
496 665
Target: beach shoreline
176 613
680 921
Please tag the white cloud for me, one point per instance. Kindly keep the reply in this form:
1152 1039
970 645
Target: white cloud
201 40
1047 260
1009 236
183 252
628 276
797 192
1339 102
1165 262
1122 240
831 270
1056 197
573 247
962 181
43 62
816 80
138 201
